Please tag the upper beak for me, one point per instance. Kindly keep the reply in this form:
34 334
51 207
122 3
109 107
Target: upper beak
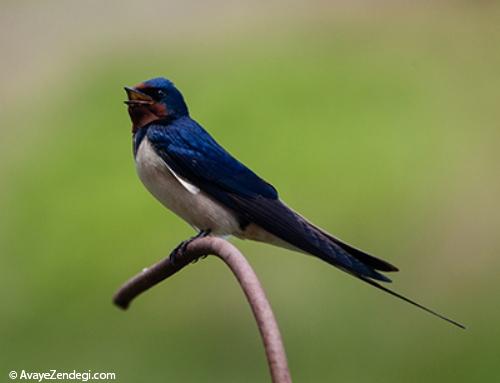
136 97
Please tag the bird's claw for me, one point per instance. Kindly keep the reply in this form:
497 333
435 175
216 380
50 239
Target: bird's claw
181 247
178 251
197 259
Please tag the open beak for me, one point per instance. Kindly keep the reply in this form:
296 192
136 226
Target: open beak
136 97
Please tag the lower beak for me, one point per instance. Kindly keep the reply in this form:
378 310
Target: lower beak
136 97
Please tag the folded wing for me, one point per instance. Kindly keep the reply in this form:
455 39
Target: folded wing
193 154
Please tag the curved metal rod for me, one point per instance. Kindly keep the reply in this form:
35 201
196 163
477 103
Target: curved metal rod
234 259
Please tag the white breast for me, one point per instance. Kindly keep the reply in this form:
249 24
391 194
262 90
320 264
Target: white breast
183 198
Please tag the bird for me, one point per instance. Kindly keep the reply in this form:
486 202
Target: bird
192 175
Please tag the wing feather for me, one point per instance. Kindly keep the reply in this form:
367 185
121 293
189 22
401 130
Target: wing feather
195 156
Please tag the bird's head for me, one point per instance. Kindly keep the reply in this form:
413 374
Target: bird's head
154 99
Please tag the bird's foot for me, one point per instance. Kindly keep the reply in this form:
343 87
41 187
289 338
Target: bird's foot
202 257
181 247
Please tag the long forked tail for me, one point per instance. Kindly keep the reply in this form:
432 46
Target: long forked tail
397 295
380 265
276 218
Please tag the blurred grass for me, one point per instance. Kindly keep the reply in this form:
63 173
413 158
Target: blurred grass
380 127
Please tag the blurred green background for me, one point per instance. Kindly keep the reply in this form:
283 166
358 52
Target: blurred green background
380 122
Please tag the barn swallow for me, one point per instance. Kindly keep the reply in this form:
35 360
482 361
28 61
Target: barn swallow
198 180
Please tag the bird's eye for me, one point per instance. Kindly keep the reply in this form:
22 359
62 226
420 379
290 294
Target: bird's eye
160 93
